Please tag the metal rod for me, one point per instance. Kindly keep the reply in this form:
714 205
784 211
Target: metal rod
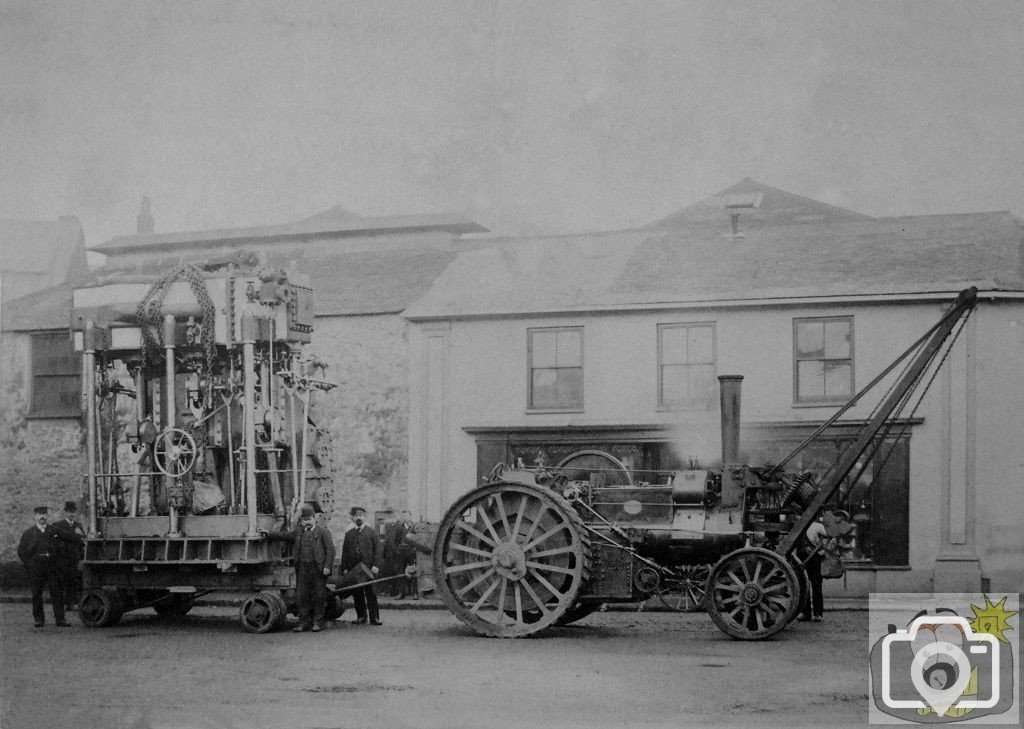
169 413
249 330
89 349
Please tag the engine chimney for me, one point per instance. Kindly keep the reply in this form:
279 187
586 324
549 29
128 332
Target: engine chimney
729 393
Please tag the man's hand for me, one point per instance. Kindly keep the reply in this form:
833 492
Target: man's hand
327 571
374 570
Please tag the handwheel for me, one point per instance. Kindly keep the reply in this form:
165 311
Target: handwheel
684 590
511 559
262 612
174 452
100 608
753 593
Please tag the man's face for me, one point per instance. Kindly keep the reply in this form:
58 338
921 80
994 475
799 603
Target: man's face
359 517
40 520
69 515
406 516
307 522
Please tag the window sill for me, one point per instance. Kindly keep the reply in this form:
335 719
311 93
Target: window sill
546 411
822 403
54 416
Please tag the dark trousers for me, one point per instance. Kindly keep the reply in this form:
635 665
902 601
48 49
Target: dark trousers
72 584
366 598
309 593
813 601
44 573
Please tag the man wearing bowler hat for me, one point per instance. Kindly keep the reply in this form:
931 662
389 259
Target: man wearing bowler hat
314 559
70 548
37 550
362 546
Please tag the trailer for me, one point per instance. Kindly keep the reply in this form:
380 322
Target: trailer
532 548
198 385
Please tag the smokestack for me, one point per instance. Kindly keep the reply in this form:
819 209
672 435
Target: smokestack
729 395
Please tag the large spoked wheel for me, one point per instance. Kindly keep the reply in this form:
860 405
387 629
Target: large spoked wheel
511 559
752 593
262 612
685 589
100 608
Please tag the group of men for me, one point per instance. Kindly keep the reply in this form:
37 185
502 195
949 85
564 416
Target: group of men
51 553
361 558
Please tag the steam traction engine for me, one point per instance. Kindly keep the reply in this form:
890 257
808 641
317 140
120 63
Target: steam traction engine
197 388
532 548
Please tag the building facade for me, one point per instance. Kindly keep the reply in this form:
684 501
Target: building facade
607 347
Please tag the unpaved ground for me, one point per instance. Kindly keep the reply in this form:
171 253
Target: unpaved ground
425 669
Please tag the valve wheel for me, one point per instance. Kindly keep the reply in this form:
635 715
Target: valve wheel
262 612
512 559
753 593
175 452
684 591
100 608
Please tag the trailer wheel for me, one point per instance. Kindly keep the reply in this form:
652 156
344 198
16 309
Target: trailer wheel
753 593
262 612
335 607
100 608
511 559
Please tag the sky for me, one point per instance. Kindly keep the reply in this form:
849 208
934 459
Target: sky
529 117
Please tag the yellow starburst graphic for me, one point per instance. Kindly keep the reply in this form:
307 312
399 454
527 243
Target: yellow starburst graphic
992 619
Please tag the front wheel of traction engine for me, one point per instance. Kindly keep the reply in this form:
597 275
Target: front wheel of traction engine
100 608
752 593
511 559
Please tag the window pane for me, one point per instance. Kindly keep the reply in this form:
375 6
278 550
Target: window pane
673 384
702 386
701 347
810 339
837 378
570 387
837 340
569 350
673 345
543 349
810 380
544 390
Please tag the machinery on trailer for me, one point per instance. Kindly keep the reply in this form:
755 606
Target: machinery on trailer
535 547
198 385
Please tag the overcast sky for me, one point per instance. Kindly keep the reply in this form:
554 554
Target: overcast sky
545 116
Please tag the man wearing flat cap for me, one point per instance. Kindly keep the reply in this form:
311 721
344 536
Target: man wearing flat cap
362 546
314 558
70 548
38 550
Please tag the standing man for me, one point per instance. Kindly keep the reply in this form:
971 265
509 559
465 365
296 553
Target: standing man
314 558
407 554
813 604
70 548
362 545
37 550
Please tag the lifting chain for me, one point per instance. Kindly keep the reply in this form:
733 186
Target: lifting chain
150 313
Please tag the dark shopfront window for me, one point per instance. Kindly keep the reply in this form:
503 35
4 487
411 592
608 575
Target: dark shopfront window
878 502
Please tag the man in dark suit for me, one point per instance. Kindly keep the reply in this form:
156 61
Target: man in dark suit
37 550
70 548
314 559
362 546
407 555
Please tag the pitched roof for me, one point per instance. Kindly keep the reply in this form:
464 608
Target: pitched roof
335 222
40 246
701 262
773 207
46 309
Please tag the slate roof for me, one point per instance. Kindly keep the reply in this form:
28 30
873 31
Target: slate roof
38 246
335 222
700 262
46 309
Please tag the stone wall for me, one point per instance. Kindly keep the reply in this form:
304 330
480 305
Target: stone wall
40 459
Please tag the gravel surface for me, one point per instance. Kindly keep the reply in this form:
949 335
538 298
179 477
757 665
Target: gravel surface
423 668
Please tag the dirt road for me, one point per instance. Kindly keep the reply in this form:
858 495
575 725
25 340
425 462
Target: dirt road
425 669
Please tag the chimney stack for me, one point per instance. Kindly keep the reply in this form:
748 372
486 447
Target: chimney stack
144 223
